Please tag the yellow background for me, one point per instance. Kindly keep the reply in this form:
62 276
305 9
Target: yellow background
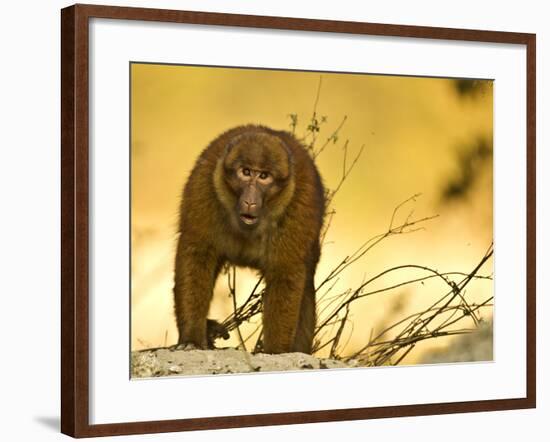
413 129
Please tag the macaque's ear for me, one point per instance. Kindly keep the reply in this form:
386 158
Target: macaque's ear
289 153
226 157
232 143
290 157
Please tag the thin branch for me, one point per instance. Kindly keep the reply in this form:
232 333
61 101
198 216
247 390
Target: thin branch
233 292
332 138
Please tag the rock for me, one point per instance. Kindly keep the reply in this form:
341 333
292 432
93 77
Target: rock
169 362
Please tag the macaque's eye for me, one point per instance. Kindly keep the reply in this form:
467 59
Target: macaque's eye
246 171
264 175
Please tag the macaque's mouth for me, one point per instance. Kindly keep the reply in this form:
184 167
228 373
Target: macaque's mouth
248 219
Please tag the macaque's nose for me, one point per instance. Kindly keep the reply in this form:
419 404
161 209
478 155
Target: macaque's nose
250 200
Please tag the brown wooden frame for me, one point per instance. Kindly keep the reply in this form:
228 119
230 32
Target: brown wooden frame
74 219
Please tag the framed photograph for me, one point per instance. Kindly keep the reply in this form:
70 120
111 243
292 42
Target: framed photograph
272 220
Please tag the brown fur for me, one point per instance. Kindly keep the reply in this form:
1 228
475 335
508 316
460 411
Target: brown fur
283 244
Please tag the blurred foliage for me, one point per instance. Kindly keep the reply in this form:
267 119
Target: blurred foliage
465 87
472 162
473 158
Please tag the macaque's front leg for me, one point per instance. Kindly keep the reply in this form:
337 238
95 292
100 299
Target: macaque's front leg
282 303
195 274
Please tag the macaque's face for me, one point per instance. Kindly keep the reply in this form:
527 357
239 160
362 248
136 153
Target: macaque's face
256 169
